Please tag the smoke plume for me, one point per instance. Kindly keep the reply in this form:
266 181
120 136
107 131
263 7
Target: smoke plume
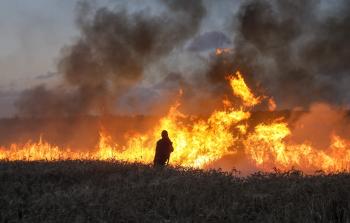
110 56
295 49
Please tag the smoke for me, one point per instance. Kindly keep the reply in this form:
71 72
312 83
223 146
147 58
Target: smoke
294 49
111 55
41 101
208 41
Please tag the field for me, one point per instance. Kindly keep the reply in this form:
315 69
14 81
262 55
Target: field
91 191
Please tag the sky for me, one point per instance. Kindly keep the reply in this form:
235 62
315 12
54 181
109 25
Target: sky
32 33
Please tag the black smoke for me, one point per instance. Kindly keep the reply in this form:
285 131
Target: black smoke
295 49
111 55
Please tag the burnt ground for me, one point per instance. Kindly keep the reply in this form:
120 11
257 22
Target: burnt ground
92 191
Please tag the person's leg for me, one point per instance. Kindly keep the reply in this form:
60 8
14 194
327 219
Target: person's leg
159 163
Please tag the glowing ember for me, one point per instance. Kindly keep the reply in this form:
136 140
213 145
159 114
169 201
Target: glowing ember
200 142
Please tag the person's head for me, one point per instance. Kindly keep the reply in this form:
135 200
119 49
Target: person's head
164 134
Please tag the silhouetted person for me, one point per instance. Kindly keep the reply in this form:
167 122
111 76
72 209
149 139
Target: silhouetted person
163 149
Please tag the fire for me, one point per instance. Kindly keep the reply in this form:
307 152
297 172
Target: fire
241 90
268 148
199 142
220 51
39 151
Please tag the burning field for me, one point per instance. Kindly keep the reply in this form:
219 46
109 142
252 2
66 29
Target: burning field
204 88
254 95
226 135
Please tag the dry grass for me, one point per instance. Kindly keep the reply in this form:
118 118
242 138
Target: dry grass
81 191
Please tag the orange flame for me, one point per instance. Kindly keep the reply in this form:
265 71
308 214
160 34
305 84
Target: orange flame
199 142
241 90
268 148
220 51
39 151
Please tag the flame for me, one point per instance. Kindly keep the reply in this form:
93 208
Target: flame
199 142
220 51
39 151
268 148
241 90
